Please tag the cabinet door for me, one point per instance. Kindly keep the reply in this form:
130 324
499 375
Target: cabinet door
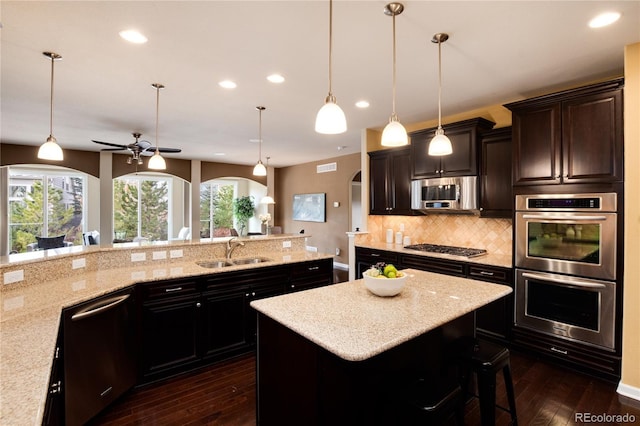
592 140
496 199
170 329
536 145
224 315
463 160
53 414
311 274
379 182
424 166
400 182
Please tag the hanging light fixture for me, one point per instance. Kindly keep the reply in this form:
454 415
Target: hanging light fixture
260 169
330 119
394 133
440 144
50 150
267 199
156 162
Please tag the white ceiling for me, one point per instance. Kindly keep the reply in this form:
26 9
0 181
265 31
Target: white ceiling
498 51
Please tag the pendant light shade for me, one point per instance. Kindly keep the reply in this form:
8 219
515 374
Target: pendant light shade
259 169
330 119
394 134
156 162
50 150
440 144
267 199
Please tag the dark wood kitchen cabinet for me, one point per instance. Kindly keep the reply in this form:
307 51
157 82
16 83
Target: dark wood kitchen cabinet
496 197
390 190
463 161
306 275
53 414
366 257
574 136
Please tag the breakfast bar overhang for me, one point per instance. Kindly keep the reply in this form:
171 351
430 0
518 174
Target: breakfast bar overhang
334 355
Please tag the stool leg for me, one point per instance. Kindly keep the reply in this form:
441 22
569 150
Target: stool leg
487 394
508 383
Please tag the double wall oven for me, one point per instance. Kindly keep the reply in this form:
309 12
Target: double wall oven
565 258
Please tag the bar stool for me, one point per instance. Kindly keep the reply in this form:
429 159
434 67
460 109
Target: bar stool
486 359
434 402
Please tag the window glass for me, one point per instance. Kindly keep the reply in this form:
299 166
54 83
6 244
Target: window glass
44 204
141 208
216 208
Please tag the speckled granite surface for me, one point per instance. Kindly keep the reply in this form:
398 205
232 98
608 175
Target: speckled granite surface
490 258
30 309
352 323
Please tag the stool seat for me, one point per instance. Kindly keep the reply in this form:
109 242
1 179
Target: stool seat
486 359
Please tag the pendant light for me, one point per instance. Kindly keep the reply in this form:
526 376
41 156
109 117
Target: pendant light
260 169
267 199
156 162
50 150
330 119
394 134
440 144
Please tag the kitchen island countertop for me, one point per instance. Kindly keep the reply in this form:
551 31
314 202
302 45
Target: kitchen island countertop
350 322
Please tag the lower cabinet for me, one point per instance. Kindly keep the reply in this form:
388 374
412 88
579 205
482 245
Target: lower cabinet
54 405
365 258
306 275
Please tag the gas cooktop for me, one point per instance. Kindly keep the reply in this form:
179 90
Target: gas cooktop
455 251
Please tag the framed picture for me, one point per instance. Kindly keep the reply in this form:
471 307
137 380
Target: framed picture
309 207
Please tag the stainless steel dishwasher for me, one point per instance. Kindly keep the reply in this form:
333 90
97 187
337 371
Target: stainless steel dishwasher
99 354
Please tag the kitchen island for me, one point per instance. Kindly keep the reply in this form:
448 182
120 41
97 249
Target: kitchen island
334 355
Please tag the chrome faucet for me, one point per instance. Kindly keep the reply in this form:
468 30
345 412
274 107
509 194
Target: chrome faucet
230 247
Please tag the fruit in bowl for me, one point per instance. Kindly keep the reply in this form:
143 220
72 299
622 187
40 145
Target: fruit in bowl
384 280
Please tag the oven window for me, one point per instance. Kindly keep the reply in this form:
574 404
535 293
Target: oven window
439 192
564 241
563 304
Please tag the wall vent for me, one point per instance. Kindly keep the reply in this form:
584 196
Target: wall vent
324 168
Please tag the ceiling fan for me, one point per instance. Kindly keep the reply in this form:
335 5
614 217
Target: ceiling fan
138 149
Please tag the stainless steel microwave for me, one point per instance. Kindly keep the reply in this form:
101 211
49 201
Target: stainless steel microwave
445 194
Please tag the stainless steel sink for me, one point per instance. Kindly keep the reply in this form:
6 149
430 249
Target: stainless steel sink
248 260
215 263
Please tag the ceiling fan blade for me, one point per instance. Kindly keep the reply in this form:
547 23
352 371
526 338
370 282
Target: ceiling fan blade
110 144
169 150
113 149
143 145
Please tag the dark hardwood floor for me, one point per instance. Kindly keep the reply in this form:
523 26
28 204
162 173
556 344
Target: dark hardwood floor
224 394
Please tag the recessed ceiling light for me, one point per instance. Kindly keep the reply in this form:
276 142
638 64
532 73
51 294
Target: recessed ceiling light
362 104
133 36
276 78
219 154
604 19
228 84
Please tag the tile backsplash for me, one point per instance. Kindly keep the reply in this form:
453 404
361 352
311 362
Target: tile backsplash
494 235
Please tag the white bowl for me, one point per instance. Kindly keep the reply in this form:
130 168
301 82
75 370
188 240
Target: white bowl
385 287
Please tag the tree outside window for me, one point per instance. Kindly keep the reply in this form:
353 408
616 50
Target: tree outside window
141 208
45 205
216 207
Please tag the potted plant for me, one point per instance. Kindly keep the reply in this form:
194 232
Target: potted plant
243 209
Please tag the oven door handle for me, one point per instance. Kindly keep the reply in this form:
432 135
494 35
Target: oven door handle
564 280
575 218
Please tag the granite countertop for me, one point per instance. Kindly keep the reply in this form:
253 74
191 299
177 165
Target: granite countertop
30 315
352 323
493 259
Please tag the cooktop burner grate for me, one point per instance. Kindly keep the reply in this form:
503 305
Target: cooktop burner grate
455 251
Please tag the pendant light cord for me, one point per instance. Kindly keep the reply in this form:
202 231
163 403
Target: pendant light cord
51 100
260 134
330 43
393 100
439 83
157 114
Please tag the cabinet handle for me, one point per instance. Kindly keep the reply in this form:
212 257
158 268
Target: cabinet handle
198 305
374 254
169 290
313 268
441 170
293 286
560 351
486 273
56 388
253 293
57 355
247 295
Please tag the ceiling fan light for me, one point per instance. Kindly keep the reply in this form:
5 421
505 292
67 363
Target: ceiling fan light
259 169
50 150
394 134
331 119
156 162
440 144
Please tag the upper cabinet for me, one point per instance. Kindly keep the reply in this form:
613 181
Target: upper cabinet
496 199
390 181
575 136
464 136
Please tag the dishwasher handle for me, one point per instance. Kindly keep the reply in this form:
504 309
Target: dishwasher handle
106 305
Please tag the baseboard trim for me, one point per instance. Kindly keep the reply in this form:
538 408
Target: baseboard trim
628 391
341 266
